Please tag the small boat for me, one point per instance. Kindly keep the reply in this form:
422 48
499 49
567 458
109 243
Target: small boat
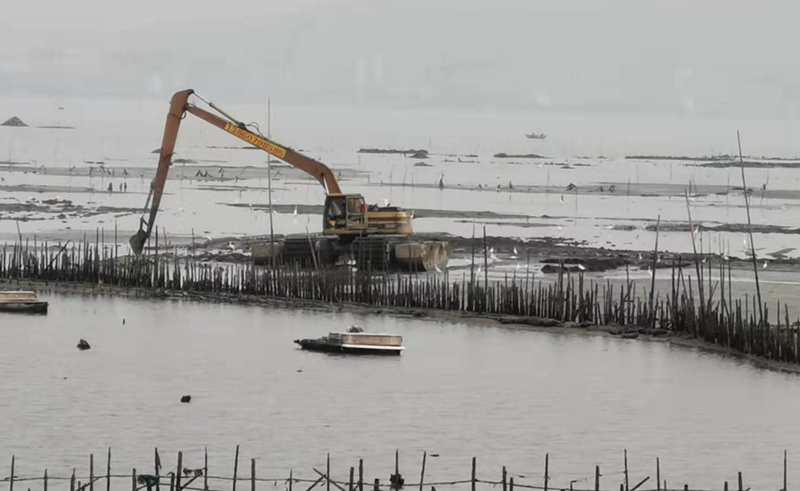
355 342
535 136
22 302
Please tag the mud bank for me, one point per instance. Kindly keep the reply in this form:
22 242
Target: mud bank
471 319
51 209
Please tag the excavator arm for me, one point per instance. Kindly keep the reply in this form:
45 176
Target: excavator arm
179 106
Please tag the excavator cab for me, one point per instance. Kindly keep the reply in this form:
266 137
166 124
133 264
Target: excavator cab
345 214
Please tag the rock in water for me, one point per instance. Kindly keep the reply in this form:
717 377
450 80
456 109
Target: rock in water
186 399
14 121
83 345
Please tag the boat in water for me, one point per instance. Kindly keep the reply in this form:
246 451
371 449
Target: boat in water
25 302
356 342
535 136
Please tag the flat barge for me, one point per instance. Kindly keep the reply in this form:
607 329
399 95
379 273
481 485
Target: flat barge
23 302
356 343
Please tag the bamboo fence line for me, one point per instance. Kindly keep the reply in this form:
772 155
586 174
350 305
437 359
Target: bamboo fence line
700 307
182 478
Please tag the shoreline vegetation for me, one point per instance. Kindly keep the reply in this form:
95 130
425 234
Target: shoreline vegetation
700 311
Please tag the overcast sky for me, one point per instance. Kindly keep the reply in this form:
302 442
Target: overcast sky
716 58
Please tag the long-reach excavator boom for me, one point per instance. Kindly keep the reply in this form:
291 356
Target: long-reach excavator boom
179 106
374 235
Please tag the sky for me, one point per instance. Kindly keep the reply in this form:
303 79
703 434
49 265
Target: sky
698 58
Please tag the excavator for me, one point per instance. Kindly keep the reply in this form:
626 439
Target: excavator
371 235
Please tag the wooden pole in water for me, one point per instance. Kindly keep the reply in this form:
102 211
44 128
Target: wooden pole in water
108 470
350 482
360 474
269 192
328 473
179 471
45 480
11 478
235 467
422 472
750 231
472 486
291 479
505 485
157 468
658 474
784 472
133 479
485 269
252 474
205 468
546 470
640 483
694 249
626 469
597 478
653 277
741 488
91 472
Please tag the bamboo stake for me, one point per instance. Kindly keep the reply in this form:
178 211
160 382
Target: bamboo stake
694 249
653 278
235 467
472 480
658 474
785 487
422 472
750 230
157 468
546 470
179 472
626 469
597 478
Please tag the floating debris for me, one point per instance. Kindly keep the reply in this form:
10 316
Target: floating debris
83 345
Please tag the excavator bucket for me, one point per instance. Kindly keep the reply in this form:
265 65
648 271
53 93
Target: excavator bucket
137 241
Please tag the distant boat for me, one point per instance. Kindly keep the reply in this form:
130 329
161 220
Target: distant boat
355 342
535 136
21 302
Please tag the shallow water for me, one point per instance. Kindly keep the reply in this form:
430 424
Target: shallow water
123 135
503 395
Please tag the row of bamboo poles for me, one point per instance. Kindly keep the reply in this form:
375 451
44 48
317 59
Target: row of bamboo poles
181 478
702 306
